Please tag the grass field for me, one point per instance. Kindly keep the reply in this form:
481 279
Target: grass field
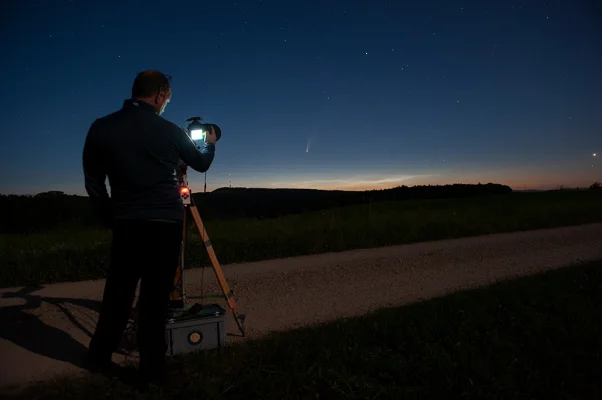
533 337
76 254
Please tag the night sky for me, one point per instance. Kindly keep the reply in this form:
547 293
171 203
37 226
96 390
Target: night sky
319 94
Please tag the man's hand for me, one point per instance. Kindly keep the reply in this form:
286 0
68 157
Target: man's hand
210 136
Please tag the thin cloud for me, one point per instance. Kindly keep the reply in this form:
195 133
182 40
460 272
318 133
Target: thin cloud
354 182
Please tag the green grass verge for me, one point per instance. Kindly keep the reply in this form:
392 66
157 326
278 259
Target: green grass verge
79 255
532 337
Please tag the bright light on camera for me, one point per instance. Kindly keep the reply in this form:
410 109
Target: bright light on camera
197 134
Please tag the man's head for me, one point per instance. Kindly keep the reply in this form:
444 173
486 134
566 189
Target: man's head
154 88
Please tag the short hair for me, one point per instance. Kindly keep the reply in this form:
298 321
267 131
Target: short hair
150 82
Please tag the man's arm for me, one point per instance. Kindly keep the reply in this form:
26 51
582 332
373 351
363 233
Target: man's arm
198 159
95 173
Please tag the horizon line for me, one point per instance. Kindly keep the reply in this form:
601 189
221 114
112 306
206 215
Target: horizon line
522 189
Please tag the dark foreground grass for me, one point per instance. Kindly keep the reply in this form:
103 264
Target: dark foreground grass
533 337
71 255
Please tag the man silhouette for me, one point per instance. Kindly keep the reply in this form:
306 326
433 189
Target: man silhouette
139 152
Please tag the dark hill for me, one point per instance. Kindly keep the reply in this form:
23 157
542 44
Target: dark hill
52 210
269 203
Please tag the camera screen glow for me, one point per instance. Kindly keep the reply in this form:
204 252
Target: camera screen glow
197 134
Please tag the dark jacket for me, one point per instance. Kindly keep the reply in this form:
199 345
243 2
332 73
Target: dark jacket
139 151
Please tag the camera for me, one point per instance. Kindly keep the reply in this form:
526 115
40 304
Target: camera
197 129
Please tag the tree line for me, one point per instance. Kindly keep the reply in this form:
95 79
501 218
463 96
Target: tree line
21 214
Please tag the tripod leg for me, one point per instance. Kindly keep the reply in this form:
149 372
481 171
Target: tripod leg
229 295
177 300
177 295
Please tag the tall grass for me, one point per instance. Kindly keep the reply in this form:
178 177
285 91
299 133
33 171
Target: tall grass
70 255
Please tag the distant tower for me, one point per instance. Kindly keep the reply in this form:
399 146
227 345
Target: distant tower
230 180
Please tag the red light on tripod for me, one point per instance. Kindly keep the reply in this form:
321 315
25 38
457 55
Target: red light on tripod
184 190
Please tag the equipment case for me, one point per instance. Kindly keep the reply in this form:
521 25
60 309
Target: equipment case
192 331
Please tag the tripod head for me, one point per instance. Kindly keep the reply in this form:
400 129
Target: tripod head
185 192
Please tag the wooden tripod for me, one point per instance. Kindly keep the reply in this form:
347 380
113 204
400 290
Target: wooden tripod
178 295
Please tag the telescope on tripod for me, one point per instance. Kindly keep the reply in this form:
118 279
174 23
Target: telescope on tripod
197 131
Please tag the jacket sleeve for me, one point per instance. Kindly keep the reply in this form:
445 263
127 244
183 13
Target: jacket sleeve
95 173
199 159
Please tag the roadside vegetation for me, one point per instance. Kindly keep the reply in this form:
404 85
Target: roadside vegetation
71 252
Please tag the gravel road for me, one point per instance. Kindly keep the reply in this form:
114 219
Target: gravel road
45 331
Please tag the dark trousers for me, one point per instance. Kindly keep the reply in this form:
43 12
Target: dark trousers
147 251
